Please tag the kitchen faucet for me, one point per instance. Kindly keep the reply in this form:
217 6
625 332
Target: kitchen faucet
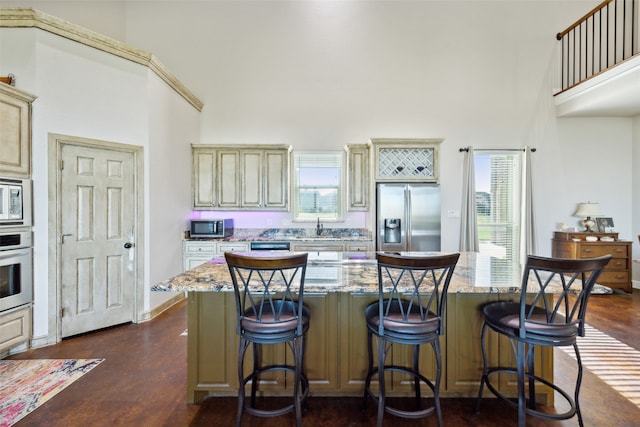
319 228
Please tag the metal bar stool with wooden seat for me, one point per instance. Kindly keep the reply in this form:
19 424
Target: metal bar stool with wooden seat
269 304
553 303
412 294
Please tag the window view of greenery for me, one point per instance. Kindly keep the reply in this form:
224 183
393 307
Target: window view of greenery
497 177
318 184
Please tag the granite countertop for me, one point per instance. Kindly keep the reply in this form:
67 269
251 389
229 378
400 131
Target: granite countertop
297 234
357 273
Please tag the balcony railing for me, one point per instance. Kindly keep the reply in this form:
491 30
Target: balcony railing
601 39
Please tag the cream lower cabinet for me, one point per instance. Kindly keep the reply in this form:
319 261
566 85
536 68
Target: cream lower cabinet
15 131
15 328
332 246
245 177
197 252
317 247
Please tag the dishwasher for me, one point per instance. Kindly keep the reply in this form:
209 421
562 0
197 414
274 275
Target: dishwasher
270 246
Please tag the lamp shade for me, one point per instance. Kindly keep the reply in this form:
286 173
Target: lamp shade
588 209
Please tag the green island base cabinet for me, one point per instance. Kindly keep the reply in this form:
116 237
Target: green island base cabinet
336 352
335 345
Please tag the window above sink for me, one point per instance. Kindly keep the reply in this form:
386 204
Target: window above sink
317 186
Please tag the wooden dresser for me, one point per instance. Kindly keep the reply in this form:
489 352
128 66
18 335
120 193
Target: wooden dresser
573 245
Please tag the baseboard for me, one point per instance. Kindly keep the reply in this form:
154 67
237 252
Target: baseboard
165 305
42 341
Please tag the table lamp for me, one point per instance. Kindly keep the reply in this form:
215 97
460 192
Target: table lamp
588 210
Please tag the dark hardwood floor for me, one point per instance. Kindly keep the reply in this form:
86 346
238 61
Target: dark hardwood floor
142 382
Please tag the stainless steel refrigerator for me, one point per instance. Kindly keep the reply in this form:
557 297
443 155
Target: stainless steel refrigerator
408 217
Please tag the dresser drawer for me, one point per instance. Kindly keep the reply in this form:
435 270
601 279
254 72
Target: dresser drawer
618 264
596 250
610 277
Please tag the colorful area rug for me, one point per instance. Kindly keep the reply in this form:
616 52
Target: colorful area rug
612 361
27 384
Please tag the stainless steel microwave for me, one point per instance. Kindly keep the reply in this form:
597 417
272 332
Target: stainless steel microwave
211 228
15 202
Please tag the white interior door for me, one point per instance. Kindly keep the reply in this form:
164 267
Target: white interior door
97 227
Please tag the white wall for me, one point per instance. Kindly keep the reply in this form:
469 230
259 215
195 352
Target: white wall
325 74
87 93
173 126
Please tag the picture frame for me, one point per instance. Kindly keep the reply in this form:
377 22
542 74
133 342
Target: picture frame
604 224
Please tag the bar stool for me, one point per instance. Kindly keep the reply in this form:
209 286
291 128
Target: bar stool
268 313
543 317
412 294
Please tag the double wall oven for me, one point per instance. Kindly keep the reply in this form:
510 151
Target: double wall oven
16 280
16 244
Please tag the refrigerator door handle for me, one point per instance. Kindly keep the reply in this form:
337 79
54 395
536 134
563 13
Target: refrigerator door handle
407 213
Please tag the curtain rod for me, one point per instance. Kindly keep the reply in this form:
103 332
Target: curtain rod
533 150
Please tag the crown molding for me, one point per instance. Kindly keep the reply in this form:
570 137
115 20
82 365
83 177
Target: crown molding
31 18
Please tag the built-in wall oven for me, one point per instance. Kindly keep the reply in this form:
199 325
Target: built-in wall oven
16 257
15 202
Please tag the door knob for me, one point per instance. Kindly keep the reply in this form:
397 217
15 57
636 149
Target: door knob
128 245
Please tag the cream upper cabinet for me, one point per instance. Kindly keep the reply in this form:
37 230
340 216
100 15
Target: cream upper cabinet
15 131
357 177
228 187
406 160
204 178
276 185
252 178
249 177
216 178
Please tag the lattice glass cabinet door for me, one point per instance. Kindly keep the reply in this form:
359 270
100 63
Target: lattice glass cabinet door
406 159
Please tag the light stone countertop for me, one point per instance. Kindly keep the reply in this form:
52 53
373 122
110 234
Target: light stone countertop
297 234
357 273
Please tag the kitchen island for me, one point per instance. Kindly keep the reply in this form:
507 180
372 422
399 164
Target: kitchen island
338 287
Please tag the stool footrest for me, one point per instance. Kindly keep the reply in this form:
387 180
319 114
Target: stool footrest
531 411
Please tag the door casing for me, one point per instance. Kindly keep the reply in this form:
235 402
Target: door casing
56 141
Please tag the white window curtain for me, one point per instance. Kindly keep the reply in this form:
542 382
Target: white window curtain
507 227
468 221
528 230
